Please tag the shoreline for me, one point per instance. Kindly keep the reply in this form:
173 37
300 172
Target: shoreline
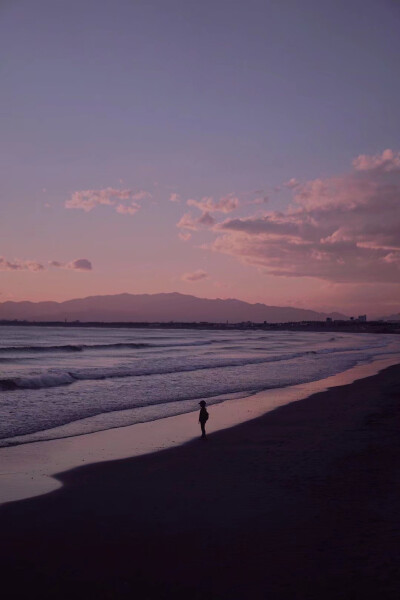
33 469
299 503
335 326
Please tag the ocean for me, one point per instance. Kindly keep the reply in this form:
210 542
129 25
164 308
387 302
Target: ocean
60 382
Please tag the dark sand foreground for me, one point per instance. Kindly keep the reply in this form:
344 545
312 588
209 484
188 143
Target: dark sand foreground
300 504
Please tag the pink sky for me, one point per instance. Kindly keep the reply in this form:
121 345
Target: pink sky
336 244
156 147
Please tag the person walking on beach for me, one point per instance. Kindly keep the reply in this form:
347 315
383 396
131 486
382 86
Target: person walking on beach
203 418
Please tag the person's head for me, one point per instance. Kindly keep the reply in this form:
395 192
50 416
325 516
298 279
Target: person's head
202 403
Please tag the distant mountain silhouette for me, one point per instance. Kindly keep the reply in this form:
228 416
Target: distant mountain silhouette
157 308
395 317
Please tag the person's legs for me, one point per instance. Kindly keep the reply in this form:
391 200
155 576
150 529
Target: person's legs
203 430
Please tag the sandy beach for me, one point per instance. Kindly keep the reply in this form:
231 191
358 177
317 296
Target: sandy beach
301 503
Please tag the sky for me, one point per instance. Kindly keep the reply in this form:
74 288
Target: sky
219 148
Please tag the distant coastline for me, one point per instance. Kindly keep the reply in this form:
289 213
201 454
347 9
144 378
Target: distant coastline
327 326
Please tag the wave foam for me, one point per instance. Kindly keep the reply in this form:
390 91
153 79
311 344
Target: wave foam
83 347
47 380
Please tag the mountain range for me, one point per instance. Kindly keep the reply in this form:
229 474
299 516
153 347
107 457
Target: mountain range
395 317
157 308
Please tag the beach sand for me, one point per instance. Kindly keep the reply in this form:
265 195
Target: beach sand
302 503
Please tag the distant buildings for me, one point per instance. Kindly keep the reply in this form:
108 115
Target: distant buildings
359 319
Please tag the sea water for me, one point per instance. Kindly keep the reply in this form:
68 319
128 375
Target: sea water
59 382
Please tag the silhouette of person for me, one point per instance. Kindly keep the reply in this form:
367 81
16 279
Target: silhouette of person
203 418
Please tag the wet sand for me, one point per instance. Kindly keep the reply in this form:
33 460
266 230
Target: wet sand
302 503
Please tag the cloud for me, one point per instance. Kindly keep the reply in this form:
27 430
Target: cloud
194 224
127 210
141 195
386 162
20 265
174 197
207 205
87 200
206 220
225 204
79 264
292 183
195 276
343 229
187 221
184 236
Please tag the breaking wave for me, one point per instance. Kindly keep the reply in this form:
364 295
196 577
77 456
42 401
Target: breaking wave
57 379
83 347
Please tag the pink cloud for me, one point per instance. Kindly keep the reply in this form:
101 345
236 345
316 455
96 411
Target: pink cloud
292 183
207 205
20 265
225 204
174 197
184 236
387 161
122 209
141 195
343 229
195 276
189 222
392 257
87 200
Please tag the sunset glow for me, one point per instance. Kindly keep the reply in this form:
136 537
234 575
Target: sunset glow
215 149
